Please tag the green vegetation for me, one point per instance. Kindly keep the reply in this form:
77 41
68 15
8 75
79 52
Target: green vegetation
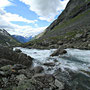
66 23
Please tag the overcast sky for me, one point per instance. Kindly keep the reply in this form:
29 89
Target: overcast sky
29 17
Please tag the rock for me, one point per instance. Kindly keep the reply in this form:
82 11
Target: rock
2 73
49 64
38 69
78 36
59 84
55 60
38 82
6 68
4 62
88 45
21 77
60 43
59 52
16 58
18 67
18 50
27 73
84 40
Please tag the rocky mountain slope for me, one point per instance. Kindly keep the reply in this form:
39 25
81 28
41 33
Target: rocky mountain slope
72 28
22 39
7 39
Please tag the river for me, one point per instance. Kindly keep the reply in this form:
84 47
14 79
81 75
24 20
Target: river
75 59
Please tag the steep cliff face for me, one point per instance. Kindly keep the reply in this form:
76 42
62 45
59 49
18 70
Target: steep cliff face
72 27
7 39
76 16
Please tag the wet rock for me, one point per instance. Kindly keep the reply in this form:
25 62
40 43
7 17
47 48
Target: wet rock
18 50
55 60
38 69
59 52
49 64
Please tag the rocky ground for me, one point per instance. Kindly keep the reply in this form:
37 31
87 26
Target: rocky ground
79 41
17 73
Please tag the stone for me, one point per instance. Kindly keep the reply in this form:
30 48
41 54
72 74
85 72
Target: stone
59 52
38 69
60 43
59 84
4 62
16 58
21 77
18 67
78 36
49 64
18 50
6 68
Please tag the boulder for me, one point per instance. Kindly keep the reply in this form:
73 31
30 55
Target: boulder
78 36
4 62
38 69
59 84
16 58
60 43
18 50
18 67
49 64
59 52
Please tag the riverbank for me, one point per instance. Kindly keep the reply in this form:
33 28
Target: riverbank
70 71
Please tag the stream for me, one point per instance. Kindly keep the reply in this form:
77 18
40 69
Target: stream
75 59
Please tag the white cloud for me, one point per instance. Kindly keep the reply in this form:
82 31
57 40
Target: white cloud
46 9
26 31
5 23
14 17
4 3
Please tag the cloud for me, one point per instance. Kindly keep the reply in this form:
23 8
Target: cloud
46 9
4 3
14 17
5 23
26 31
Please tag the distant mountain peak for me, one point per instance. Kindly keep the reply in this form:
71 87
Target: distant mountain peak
22 39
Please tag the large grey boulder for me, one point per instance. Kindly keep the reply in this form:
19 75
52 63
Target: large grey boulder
14 57
59 52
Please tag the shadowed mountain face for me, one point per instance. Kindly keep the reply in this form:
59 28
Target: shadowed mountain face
72 26
75 18
22 39
7 39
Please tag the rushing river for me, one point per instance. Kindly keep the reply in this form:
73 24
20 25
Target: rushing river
74 59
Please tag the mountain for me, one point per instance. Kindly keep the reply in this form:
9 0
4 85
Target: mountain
6 39
22 39
72 27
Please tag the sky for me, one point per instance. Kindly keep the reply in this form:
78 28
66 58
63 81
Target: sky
29 17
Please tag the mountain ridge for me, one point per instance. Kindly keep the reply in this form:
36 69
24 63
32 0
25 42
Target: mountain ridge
6 39
22 39
71 27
